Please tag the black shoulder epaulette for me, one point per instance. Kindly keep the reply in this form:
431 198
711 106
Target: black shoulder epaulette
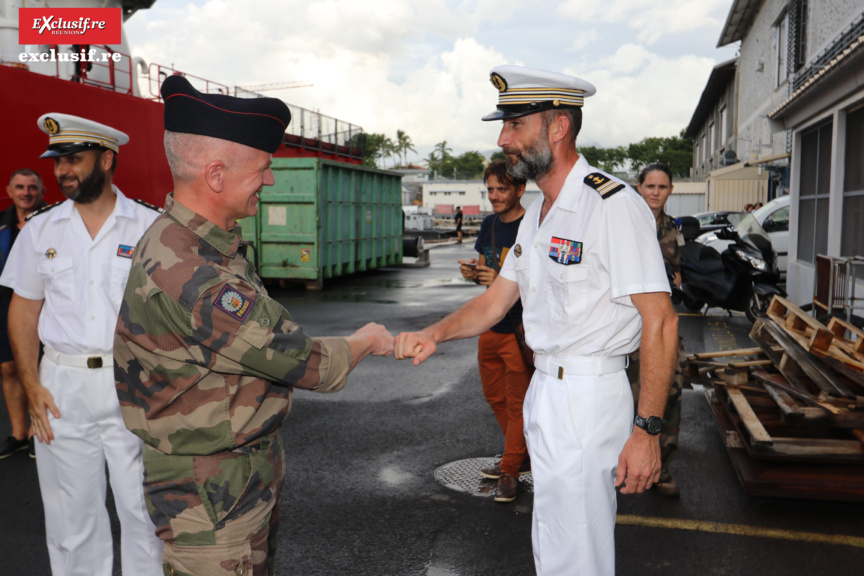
42 210
603 184
147 204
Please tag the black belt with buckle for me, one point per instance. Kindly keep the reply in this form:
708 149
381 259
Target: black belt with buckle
94 362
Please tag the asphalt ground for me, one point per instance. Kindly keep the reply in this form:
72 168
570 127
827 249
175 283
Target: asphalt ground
361 498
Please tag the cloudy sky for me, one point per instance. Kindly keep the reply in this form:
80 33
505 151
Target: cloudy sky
422 66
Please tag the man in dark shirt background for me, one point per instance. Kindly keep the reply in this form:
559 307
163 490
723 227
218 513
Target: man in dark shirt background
503 371
26 190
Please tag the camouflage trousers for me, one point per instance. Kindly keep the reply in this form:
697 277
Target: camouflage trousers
672 412
218 514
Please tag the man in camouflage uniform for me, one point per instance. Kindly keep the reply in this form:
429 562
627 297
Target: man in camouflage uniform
655 185
205 359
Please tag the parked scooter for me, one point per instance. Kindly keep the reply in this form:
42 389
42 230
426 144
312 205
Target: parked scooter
744 277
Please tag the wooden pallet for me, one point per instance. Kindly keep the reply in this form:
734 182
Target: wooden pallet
778 479
763 435
817 338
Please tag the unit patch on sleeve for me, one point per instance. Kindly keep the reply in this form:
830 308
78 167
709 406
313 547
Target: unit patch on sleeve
565 251
233 303
603 184
125 251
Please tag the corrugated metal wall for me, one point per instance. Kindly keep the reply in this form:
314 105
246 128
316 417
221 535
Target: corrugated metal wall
734 187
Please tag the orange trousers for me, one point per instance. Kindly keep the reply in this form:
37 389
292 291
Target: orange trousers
505 379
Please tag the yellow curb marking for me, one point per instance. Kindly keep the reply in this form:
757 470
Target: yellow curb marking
739 530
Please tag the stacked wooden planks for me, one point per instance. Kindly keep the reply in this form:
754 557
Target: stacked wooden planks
792 411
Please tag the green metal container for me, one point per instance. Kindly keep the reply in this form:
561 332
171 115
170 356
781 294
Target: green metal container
323 219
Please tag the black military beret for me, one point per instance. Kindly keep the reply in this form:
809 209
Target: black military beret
255 122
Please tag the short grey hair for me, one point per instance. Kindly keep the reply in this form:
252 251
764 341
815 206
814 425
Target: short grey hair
188 154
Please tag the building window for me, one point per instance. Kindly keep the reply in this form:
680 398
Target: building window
696 155
813 198
723 133
852 240
712 135
797 34
782 48
704 149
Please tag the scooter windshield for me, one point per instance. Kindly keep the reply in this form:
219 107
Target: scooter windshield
749 230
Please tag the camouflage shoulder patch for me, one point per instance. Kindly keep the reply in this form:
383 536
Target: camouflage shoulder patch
603 184
147 204
42 210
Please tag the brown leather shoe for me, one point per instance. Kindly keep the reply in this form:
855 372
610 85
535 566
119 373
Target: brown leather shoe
666 485
506 489
491 473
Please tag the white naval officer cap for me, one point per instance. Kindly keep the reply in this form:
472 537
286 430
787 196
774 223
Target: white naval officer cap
69 134
523 91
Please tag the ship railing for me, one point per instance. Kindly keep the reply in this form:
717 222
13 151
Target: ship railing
308 128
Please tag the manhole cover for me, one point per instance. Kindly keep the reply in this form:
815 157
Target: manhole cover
464 476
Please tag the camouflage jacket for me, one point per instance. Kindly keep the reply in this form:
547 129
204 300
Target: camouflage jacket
667 234
205 360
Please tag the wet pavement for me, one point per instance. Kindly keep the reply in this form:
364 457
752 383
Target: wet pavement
361 495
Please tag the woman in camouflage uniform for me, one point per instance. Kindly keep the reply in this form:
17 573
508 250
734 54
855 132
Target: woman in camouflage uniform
655 186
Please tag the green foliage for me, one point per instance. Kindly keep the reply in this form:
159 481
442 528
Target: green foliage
378 147
467 166
607 159
499 155
674 151
373 148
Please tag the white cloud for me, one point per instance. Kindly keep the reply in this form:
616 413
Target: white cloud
654 97
650 18
422 65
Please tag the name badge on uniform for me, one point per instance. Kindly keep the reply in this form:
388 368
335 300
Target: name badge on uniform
125 251
565 251
233 303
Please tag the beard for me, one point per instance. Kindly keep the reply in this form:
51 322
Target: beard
535 161
89 190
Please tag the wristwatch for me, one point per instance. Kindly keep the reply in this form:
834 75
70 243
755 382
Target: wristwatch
652 425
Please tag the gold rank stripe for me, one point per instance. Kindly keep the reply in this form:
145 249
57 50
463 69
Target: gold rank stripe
573 101
82 137
542 89
607 187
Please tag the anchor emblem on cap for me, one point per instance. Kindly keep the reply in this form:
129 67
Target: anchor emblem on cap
50 253
498 81
51 125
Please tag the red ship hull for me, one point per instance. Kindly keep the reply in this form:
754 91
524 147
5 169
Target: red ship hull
142 171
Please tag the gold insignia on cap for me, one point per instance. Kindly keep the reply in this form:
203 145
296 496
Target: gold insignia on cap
51 125
556 102
498 81
50 253
517 249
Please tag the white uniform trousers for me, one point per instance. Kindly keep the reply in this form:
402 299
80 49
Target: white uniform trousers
575 428
89 433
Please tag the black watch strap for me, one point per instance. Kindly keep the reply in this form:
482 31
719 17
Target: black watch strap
652 425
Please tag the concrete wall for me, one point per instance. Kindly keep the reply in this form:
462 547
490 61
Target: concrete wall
758 92
703 163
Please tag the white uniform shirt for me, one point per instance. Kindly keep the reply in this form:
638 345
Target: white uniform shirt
80 279
583 308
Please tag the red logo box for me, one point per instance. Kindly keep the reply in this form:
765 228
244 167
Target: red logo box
69 25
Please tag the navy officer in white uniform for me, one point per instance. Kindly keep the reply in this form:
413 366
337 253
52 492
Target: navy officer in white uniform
68 269
590 274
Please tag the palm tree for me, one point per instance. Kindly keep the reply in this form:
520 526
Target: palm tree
442 150
404 145
388 148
